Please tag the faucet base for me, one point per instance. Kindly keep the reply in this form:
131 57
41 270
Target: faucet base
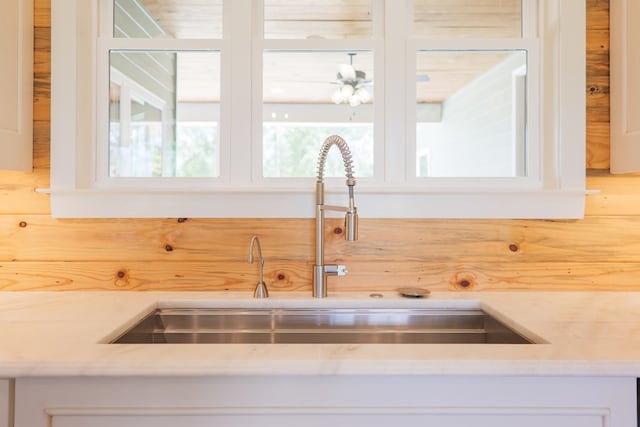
319 282
320 273
261 291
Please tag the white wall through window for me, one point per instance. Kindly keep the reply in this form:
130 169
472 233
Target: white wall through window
482 126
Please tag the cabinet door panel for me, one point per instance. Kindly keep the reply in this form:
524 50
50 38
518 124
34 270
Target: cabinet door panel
320 401
16 84
625 86
333 420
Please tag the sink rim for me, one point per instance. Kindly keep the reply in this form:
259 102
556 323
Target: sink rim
223 312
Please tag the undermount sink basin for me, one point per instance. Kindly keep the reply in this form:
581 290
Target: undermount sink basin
319 326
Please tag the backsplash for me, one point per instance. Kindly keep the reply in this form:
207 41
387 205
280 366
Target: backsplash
600 252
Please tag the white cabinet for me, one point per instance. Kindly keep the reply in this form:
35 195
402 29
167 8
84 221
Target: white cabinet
625 86
315 401
16 85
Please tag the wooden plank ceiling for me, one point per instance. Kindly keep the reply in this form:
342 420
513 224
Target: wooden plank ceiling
306 78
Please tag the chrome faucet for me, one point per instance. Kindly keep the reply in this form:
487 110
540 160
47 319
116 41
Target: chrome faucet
320 269
261 290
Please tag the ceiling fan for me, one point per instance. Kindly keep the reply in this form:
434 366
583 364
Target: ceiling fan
351 85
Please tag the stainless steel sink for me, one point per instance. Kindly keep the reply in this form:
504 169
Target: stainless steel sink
319 326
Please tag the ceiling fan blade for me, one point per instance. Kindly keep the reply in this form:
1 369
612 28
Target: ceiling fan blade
364 83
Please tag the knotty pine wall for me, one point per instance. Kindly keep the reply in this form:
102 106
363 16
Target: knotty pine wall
600 252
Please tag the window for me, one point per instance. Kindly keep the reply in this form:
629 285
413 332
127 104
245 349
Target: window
154 98
450 110
304 101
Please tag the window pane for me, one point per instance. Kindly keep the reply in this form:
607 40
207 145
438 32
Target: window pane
291 149
464 18
471 113
178 19
309 96
301 19
164 114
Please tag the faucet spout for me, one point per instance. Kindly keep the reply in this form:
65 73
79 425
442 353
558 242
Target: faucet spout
261 290
320 269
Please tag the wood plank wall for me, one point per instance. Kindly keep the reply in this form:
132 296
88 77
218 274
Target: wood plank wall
600 252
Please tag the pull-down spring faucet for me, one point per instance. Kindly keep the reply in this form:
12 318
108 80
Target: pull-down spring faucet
320 270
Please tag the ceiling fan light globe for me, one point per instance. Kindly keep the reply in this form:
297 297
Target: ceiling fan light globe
347 91
337 97
347 72
363 94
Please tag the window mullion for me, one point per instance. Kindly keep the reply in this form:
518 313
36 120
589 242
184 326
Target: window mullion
100 151
105 11
530 17
236 163
256 123
395 92
380 107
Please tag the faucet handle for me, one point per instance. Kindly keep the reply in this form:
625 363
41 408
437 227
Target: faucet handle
335 270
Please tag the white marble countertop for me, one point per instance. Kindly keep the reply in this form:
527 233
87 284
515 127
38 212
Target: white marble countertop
66 333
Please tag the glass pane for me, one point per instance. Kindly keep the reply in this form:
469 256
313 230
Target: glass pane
464 18
177 19
164 114
302 19
471 113
291 149
309 96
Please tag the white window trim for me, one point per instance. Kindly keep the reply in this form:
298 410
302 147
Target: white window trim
558 191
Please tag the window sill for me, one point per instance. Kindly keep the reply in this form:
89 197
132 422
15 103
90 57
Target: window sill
239 203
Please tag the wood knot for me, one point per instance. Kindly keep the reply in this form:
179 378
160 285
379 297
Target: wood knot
181 220
337 230
122 278
281 276
22 224
513 247
464 283
168 248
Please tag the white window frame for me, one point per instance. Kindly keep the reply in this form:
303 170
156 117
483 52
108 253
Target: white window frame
556 189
